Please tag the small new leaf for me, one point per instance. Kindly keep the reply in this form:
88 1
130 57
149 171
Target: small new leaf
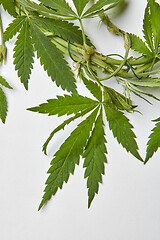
95 158
116 100
122 130
154 141
52 60
65 159
23 54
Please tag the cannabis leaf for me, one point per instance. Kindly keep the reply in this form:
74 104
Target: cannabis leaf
65 105
76 104
23 54
95 158
98 6
9 5
147 29
40 9
116 100
14 27
146 82
136 90
62 126
4 83
154 19
80 4
3 99
60 5
88 139
154 140
63 29
67 157
138 45
3 106
122 130
94 88
52 60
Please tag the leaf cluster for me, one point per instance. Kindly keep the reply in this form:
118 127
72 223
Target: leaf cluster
46 30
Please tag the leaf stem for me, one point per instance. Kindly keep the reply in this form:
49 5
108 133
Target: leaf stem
83 32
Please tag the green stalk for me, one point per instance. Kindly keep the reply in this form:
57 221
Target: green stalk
96 63
83 32
72 46
64 49
119 68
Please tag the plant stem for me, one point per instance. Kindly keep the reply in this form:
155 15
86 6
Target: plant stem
119 68
96 63
83 32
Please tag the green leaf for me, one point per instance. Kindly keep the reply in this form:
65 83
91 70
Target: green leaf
14 27
146 82
62 29
155 19
137 90
40 9
61 126
65 105
3 106
52 60
23 54
59 5
4 83
95 158
67 157
154 141
116 100
93 87
147 29
122 130
98 5
138 45
80 5
9 5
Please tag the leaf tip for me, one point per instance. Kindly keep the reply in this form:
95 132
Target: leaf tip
44 149
33 109
41 205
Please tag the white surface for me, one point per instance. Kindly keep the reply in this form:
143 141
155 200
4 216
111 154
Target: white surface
127 206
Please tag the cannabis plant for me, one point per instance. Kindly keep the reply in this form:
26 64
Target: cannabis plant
48 29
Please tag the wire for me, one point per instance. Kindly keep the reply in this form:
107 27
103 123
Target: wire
126 62
69 52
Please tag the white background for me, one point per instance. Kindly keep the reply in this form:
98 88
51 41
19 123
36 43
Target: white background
127 206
